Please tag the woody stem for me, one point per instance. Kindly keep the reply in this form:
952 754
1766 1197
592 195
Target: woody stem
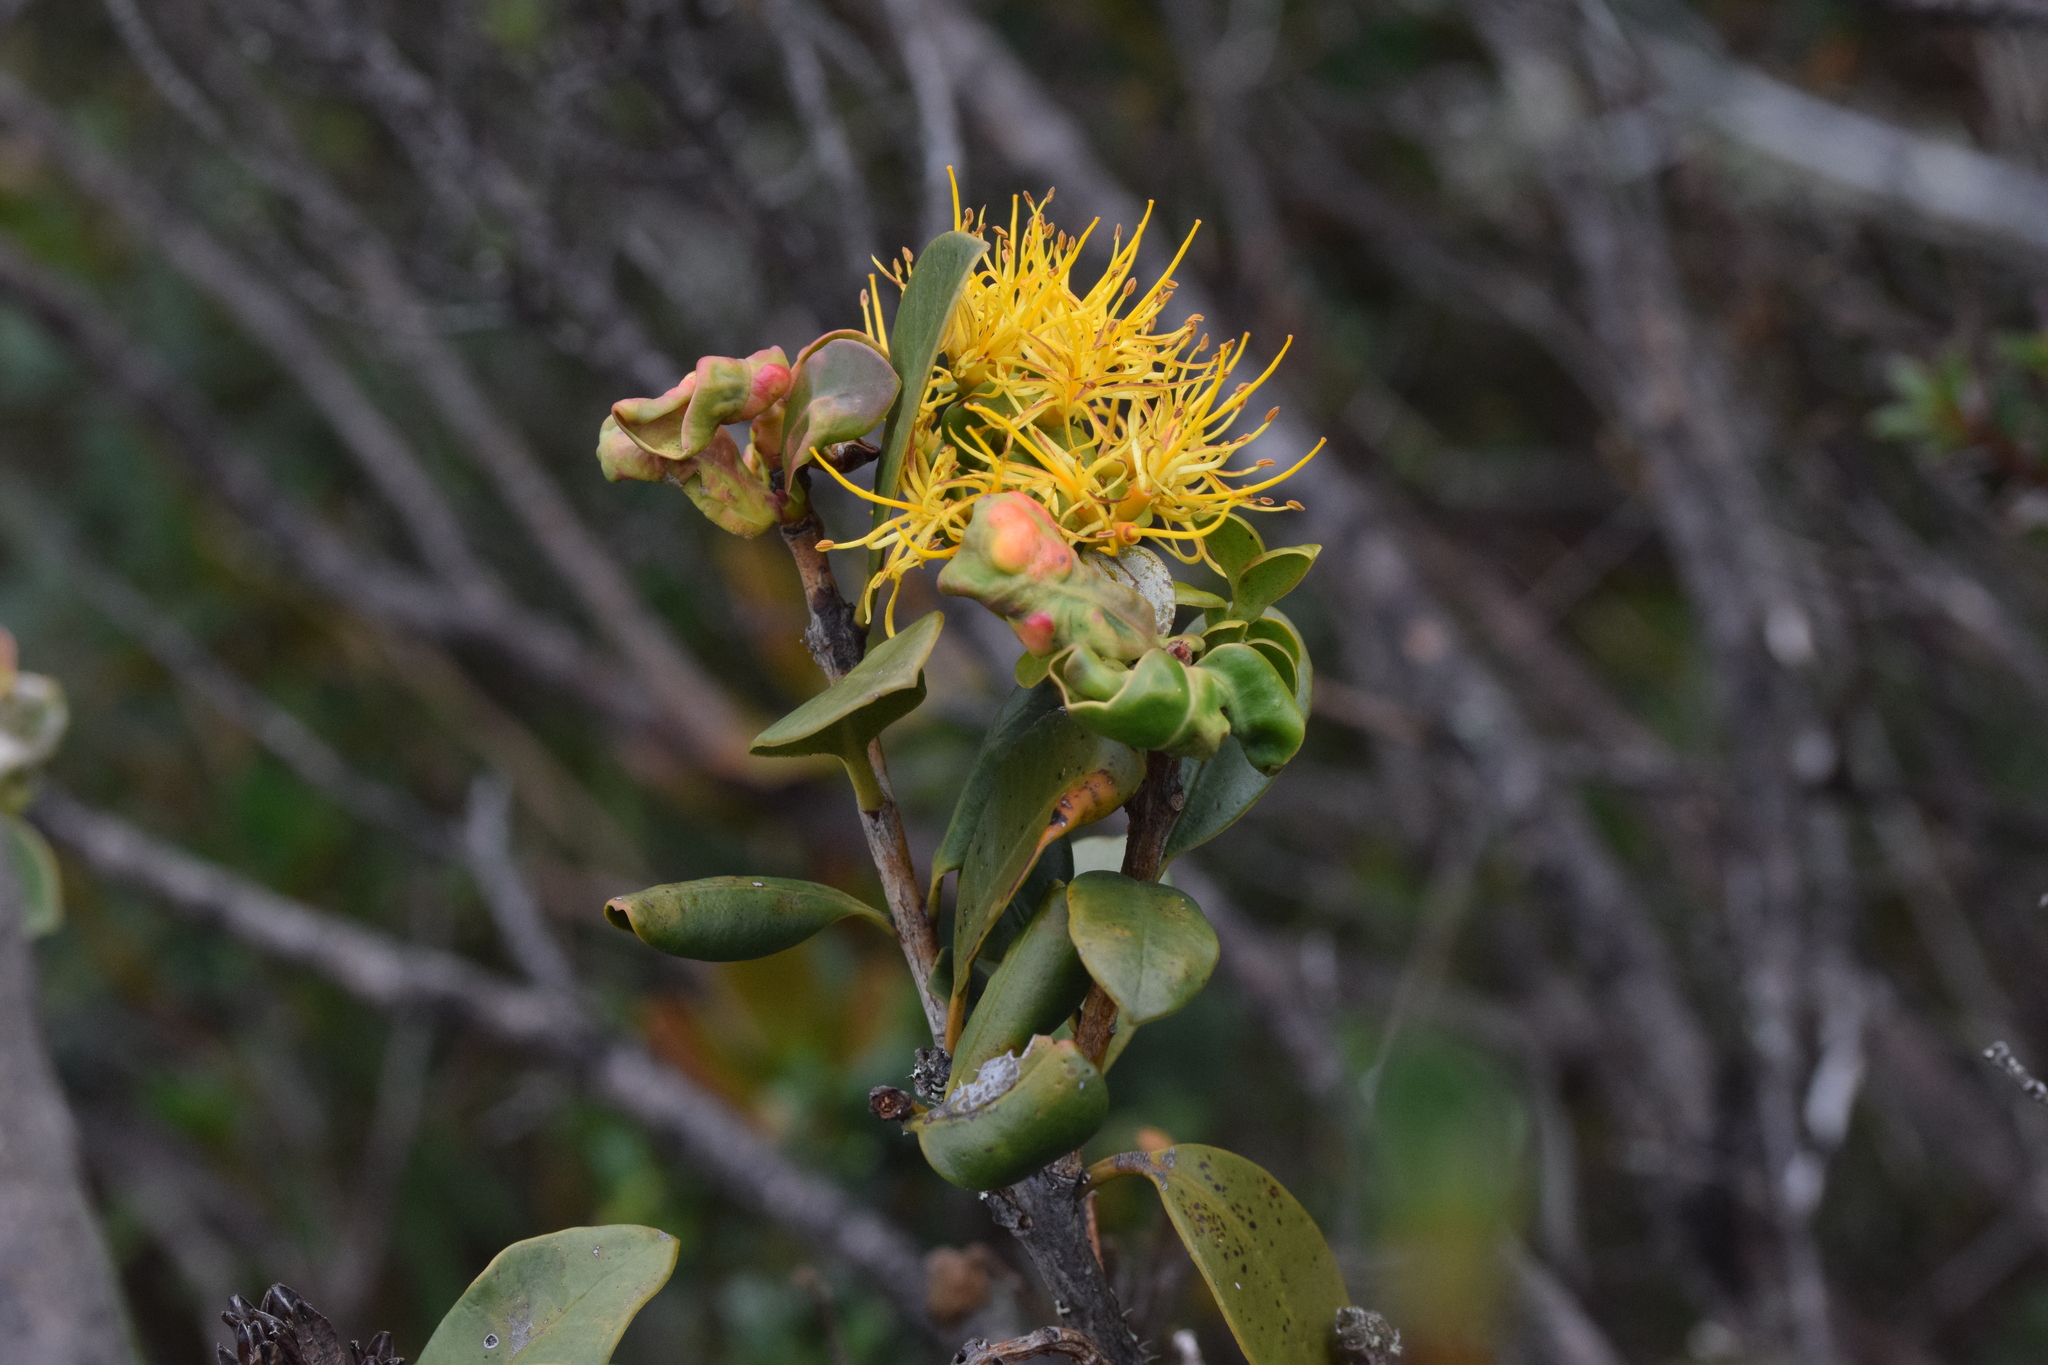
837 643
1152 810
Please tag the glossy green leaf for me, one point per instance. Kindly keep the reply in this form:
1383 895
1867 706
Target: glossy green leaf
1040 982
1278 659
1159 704
1021 710
734 919
840 391
1055 864
1014 1116
1058 776
1264 1259
563 1299
1276 628
1223 788
1233 545
1146 944
880 690
34 868
1187 595
929 296
1270 577
1264 716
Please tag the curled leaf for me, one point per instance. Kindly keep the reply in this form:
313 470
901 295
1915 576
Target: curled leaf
1014 1116
1161 704
734 919
735 497
842 387
1220 790
1186 710
1264 715
680 437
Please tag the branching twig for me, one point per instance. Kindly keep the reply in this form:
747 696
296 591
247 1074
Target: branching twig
539 1023
1046 1341
837 643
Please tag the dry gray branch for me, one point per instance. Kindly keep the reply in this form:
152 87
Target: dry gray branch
1942 185
539 1022
59 1299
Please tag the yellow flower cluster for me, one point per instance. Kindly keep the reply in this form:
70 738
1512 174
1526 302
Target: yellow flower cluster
1119 430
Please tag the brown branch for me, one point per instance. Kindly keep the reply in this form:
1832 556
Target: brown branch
1046 1341
1153 808
538 1022
837 643
1047 1215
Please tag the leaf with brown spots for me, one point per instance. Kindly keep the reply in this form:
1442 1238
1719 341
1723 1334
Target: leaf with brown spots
1265 1260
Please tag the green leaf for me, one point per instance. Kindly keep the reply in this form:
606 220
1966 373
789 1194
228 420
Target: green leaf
879 690
1264 716
1270 577
1040 982
1276 638
1276 628
563 1299
34 868
734 919
1014 1116
1021 710
1056 777
1187 595
1146 944
840 391
1233 545
1160 704
1263 1257
1222 789
929 297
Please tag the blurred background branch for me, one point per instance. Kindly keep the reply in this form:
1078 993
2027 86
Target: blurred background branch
1613 983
